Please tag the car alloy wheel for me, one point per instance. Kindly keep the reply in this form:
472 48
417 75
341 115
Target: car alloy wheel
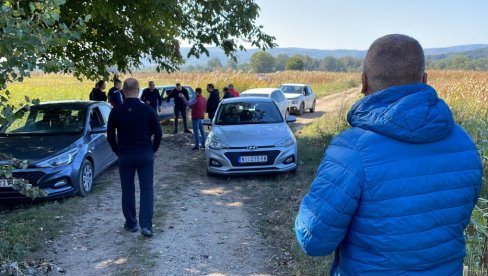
312 110
86 178
302 109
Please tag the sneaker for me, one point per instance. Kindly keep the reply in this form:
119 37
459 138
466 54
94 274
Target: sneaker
188 131
131 229
195 148
146 232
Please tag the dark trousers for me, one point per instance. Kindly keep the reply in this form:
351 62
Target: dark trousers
143 163
181 110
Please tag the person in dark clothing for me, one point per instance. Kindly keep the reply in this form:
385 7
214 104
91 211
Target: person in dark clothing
212 101
180 106
97 93
115 95
130 128
227 93
152 97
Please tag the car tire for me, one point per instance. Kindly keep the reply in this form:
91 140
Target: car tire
85 181
301 110
312 110
210 174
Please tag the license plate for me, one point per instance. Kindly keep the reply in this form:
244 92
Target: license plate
253 159
4 183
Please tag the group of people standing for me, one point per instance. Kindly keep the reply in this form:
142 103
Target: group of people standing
115 96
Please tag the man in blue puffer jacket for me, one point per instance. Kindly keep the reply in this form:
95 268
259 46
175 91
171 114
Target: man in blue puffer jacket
394 193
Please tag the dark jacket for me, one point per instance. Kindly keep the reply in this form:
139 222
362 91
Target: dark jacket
395 192
228 95
131 126
179 103
98 95
152 96
115 96
212 103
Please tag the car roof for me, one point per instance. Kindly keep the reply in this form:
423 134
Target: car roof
67 104
295 84
247 100
260 91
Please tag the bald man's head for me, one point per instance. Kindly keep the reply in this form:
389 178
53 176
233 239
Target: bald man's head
131 88
393 60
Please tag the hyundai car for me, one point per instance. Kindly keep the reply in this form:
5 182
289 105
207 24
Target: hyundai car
64 143
250 135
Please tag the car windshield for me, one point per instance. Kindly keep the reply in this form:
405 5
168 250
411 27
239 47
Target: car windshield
248 113
39 120
293 89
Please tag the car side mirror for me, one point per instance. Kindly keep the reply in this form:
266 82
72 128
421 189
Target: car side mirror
291 119
207 122
98 130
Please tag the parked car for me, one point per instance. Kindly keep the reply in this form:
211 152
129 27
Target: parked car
64 143
167 108
249 135
300 97
273 93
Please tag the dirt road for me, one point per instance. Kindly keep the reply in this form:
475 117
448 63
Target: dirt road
200 224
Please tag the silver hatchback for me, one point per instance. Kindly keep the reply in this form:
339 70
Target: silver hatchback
249 135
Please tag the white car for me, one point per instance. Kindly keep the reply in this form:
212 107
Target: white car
273 93
249 136
300 97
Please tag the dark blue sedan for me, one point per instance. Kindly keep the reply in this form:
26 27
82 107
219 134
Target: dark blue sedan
65 144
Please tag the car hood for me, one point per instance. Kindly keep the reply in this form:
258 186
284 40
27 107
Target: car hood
291 96
33 148
251 135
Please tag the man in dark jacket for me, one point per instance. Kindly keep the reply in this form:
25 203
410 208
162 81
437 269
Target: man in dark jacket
151 97
97 93
180 106
227 93
212 101
130 129
395 192
115 95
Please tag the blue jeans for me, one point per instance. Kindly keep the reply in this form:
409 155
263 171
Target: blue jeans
143 163
198 126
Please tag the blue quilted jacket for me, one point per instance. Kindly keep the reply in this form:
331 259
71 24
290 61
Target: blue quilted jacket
394 193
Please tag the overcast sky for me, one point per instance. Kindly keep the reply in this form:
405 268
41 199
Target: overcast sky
355 24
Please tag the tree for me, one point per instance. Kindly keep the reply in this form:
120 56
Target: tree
262 62
231 64
280 62
87 37
214 64
329 64
294 63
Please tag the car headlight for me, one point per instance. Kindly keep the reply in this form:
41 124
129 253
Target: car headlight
214 143
60 160
294 102
287 142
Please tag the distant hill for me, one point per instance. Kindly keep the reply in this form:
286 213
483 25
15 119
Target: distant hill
473 50
316 53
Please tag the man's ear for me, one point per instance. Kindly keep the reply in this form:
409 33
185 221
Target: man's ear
424 78
364 84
